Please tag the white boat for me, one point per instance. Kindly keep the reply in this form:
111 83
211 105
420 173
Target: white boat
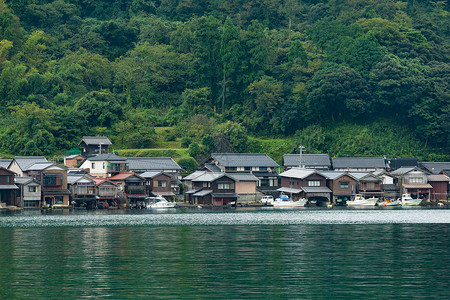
285 201
360 200
389 203
267 200
159 202
407 200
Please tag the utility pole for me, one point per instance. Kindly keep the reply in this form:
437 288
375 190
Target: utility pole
301 155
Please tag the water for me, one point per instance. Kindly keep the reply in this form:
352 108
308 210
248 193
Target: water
243 254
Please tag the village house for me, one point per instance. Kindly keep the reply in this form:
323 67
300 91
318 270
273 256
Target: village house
212 189
53 180
131 187
105 165
305 183
167 165
343 185
413 181
8 189
92 145
158 184
402 162
308 161
82 189
258 164
73 161
440 185
369 185
29 194
357 164
106 192
20 164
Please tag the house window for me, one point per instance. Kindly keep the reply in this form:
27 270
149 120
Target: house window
206 184
291 182
53 180
59 200
93 165
263 168
82 189
232 168
344 185
162 183
416 180
370 185
7 179
223 186
313 183
247 168
104 165
32 189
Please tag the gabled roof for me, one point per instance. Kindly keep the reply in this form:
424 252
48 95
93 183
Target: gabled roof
359 175
101 181
124 175
212 168
403 171
358 163
194 175
107 157
436 167
300 173
72 179
333 175
23 179
244 160
73 156
242 176
152 164
208 177
95 140
5 163
25 162
42 166
308 160
151 174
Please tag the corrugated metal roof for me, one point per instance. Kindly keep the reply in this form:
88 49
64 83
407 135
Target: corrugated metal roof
152 164
359 163
202 193
308 160
244 160
95 140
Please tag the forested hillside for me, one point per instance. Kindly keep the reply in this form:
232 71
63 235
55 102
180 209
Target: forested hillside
324 73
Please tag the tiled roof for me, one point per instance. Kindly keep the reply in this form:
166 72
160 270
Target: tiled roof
152 164
4 163
212 168
25 162
403 171
194 175
95 140
308 160
358 162
359 175
437 177
244 160
436 167
208 177
298 173
22 179
107 157
202 193
242 176
333 175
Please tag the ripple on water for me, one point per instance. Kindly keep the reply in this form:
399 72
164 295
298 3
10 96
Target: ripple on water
211 218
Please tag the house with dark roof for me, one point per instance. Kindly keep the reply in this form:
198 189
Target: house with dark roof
83 190
92 145
435 167
369 185
107 193
29 193
213 189
20 164
395 163
308 161
414 181
8 189
53 180
131 188
105 165
343 185
258 164
305 183
355 164
158 184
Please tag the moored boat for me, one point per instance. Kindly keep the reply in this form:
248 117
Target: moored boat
285 201
360 200
407 200
159 202
385 203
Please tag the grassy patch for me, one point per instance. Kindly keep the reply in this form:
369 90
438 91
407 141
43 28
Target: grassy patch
175 153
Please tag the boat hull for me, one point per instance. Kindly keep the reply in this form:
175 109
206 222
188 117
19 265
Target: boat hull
299 203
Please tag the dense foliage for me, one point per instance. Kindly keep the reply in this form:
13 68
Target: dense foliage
226 68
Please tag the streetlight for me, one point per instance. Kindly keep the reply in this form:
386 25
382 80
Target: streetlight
301 155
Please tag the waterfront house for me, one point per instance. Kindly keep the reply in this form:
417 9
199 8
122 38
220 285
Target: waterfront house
73 161
158 184
440 185
413 181
369 185
53 180
8 189
105 165
82 189
106 192
167 165
356 164
308 161
245 187
435 167
92 145
213 189
343 185
20 164
305 183
131 187
258 164
29 193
